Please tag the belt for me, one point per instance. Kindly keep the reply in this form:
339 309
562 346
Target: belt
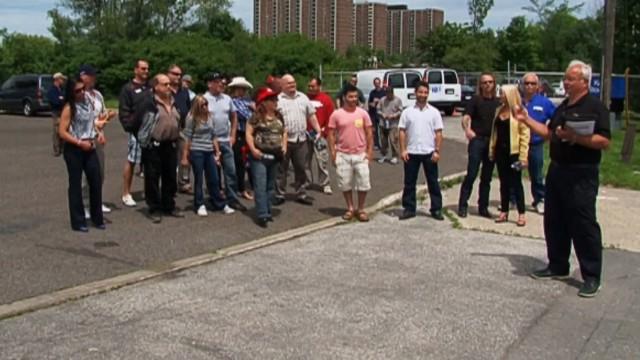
576 166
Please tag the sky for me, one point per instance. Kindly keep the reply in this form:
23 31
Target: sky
30 16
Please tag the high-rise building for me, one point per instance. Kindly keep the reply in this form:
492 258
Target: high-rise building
341 23
371 28
405 26
328 20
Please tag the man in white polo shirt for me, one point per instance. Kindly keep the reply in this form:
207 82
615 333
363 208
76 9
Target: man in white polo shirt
420 143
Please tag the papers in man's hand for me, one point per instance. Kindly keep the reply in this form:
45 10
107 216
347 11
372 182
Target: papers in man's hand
581 128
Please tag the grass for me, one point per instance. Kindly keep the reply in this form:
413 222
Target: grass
111 103
616 173
613 171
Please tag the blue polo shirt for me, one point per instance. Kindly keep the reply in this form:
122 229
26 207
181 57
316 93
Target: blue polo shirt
540 109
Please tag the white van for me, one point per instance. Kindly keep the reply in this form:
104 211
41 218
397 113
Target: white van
445 91
402 80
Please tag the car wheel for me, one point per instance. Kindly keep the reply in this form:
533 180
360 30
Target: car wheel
27 108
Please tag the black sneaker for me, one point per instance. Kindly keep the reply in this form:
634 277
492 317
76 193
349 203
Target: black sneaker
175 213
546 273
263 222
485 213
155 217
305 200
406 215
437 215
589 288
277 200
237 205
462 212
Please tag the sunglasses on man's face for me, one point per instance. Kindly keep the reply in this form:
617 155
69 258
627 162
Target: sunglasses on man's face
488 82
175 73
530 83
78 90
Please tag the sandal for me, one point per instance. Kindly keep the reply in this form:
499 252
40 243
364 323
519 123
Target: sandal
502 218
362 216
348 215
521 221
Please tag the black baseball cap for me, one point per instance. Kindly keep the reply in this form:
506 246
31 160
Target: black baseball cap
213 76
86 69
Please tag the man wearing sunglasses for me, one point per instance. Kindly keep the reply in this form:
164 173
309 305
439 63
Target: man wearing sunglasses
182 102
477 122
540 109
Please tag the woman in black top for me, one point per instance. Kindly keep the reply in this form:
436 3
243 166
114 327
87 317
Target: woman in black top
509 148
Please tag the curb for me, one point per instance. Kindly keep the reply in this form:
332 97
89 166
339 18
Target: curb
101 286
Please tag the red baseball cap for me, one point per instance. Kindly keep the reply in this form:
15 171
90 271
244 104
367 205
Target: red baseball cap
264 94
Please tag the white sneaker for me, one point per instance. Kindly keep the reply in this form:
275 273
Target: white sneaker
105 209
540 208
202 211
327 190
394 160
87 214
381 160
128 200
227 210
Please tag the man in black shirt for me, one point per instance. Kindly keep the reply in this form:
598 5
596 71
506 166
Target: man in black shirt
578 132
374 97
477 123
131 97
182 103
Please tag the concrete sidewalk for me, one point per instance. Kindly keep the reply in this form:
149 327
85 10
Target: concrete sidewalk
381 290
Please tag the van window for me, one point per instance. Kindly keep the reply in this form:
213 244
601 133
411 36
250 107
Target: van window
450 77
396 81
9 84
26 83
435 77
412 80
46 82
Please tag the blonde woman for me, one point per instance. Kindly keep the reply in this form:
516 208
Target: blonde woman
509 148
199 151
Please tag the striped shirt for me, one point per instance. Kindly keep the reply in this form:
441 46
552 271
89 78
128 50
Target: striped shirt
200 134
296 111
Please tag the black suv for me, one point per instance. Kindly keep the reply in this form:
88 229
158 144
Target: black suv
26 93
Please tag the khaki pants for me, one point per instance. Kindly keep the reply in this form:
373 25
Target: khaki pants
57 141
389 138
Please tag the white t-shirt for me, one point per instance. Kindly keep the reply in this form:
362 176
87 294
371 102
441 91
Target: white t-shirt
420 127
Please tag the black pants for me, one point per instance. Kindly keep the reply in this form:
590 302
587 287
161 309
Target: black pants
478 154
159 161
510 181
241 166
79 161
570 215
411 171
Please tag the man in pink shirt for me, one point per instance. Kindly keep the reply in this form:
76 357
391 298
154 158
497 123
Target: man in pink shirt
350 139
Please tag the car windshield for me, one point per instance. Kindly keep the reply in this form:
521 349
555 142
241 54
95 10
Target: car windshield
46 82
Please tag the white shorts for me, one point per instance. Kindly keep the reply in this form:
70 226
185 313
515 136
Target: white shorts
134 152
352 172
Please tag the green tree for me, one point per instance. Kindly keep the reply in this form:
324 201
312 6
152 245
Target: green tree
478 10
25 53
433 47
519 44
627 36
545 8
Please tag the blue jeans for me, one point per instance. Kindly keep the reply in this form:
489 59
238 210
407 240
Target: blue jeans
411 170
536 163
229 171
264 177
203 163
478 154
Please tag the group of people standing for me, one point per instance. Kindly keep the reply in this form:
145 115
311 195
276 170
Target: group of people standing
221 138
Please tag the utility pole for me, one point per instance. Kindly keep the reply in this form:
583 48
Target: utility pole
610 26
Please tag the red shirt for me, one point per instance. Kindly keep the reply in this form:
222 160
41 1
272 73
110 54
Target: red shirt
324 108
